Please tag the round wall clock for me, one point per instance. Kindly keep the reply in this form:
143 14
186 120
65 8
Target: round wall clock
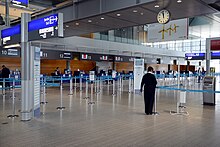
163 16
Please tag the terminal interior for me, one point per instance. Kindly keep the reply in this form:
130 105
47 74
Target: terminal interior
77 83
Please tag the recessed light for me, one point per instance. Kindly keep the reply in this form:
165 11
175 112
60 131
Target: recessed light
77 23
118 14
179 1
67 26
135 11
102 18
142 13
89 20
156 6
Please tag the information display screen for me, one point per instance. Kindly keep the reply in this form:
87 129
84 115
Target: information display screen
195 56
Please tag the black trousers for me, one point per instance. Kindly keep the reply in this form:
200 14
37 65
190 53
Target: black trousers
149 100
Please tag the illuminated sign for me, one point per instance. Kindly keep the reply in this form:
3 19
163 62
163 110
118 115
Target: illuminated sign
46 27
195 56
20 3
215 55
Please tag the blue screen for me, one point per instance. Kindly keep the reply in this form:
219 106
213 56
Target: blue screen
45 22
11 31
22 2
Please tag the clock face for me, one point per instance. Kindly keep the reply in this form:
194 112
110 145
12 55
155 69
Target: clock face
163 16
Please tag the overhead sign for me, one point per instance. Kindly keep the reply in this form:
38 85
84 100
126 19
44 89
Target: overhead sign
20 3
12 52
215 55
47 27
11 35
94 57
174 30
56 55
124 59
43 28
215 45
195 56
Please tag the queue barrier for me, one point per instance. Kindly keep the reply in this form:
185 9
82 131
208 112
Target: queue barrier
58 81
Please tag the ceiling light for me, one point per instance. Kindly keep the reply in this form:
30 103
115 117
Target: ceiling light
142 13
11 46
67 26
179 1
156 6
135 11
77 23
118 14
89 20
102 18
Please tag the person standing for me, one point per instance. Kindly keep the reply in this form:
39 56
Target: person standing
57 72
5 74
149 82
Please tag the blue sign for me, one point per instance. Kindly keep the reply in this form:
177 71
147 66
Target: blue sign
37 24
20 2
11 31
46 22
195 56
215 54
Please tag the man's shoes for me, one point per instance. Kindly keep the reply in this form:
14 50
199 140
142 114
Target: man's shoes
148 113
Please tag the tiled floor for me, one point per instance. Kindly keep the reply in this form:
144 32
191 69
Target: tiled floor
112 121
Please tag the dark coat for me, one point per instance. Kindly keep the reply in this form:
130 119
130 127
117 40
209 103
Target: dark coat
5 72
149 82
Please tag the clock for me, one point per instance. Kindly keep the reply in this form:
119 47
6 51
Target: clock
163 16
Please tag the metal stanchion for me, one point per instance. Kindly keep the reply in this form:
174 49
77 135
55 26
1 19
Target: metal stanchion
122 82
87 89
95 83
119 83
129 85
61 95
13 115
44 92
80 83
3 87
75 82
155 104
100 84
113 88
71 86
91 100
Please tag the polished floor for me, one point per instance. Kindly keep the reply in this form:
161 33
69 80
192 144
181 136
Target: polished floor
113 121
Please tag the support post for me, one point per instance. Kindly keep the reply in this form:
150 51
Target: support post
26 94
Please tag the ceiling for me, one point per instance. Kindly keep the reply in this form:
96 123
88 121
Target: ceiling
137 15
204 13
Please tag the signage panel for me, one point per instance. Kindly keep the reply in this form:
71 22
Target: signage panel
46 27
195 56
215 45
56 55
11 35
215 55
138 73
21 3
174 30
124 59
12 52
94 57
